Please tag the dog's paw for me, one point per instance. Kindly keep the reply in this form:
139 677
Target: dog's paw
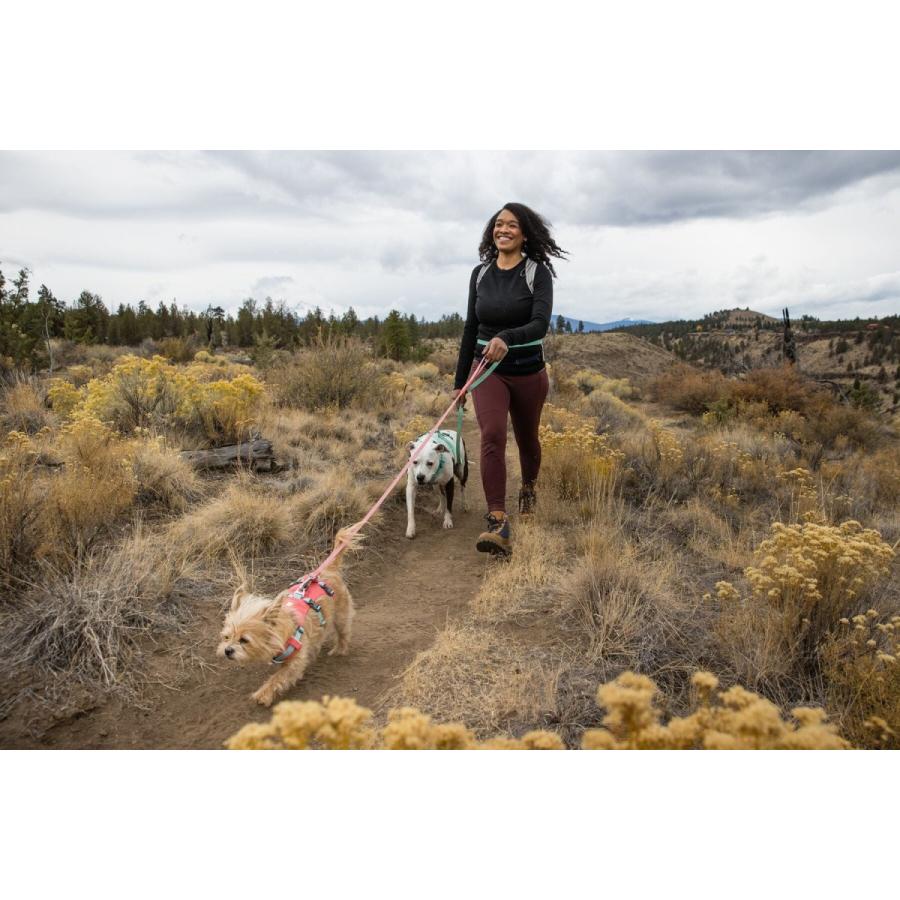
339 650
410 533
264 696
448 522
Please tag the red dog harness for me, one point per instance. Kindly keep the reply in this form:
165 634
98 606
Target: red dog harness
303 597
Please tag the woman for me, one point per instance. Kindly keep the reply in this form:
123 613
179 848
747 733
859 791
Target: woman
504 314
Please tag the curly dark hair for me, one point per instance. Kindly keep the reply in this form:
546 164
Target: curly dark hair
539 244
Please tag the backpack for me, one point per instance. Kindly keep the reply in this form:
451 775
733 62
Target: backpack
529 273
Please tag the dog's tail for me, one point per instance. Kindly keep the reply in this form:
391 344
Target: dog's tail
346 539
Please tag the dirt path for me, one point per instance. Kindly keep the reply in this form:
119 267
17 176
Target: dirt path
404 594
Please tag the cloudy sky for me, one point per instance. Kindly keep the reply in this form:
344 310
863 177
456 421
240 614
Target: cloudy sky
650 235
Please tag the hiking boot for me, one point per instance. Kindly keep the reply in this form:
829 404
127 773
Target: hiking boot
496 539
527 500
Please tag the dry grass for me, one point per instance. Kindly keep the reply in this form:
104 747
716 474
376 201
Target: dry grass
481 677
612 413
23 406
333 373
774 625
861 661
332 500
243 521
164 480
86 623
530 582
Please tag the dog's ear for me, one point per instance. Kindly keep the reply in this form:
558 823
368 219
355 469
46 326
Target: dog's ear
273 610
239 595
440 448
411 446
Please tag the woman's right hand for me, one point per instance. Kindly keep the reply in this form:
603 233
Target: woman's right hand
460 397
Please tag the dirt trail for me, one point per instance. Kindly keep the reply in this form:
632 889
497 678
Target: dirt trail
405 592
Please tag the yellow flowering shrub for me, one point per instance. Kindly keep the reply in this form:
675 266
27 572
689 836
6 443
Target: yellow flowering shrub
735 719
155 394
64 397
862 672
670 453
803 495
416 426
19 506
576 461
94 488
589 381
811 566
805 577
559 418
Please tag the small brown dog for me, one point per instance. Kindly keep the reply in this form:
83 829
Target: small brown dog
257 629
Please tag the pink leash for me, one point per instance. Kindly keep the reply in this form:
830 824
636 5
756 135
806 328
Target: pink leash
482 364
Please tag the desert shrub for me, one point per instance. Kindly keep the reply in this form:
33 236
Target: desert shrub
163 479
862 675
86 622
333 500
334 372
668 449
611 413
153 394
780 389
178 350
426 371
735 719
91 492
730 720
624 605
589 381
64 397
445 359
804 579
689 389
22 406
242 520
411 430
869 481
19 506
827 422
479 676
577 464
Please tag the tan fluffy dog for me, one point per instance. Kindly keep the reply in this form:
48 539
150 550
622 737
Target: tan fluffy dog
257 628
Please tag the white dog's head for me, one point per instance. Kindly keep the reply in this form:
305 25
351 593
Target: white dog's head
429 461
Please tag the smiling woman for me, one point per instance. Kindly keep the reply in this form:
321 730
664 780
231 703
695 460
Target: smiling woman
510 304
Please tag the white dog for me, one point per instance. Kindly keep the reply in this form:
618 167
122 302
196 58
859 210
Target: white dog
437 464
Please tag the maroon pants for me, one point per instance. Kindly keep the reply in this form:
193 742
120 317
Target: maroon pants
520 397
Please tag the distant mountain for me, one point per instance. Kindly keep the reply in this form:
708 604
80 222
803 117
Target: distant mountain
604 326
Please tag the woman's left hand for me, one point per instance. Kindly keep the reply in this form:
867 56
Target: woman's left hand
495 350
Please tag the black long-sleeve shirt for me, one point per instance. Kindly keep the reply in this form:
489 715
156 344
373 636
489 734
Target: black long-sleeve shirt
503 307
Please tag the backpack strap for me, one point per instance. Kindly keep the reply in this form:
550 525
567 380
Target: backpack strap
530 272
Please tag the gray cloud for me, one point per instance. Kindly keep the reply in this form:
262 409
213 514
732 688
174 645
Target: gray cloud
602 189
655 234
272 283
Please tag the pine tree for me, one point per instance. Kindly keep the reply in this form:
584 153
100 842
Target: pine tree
395 342
86 321
349 321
